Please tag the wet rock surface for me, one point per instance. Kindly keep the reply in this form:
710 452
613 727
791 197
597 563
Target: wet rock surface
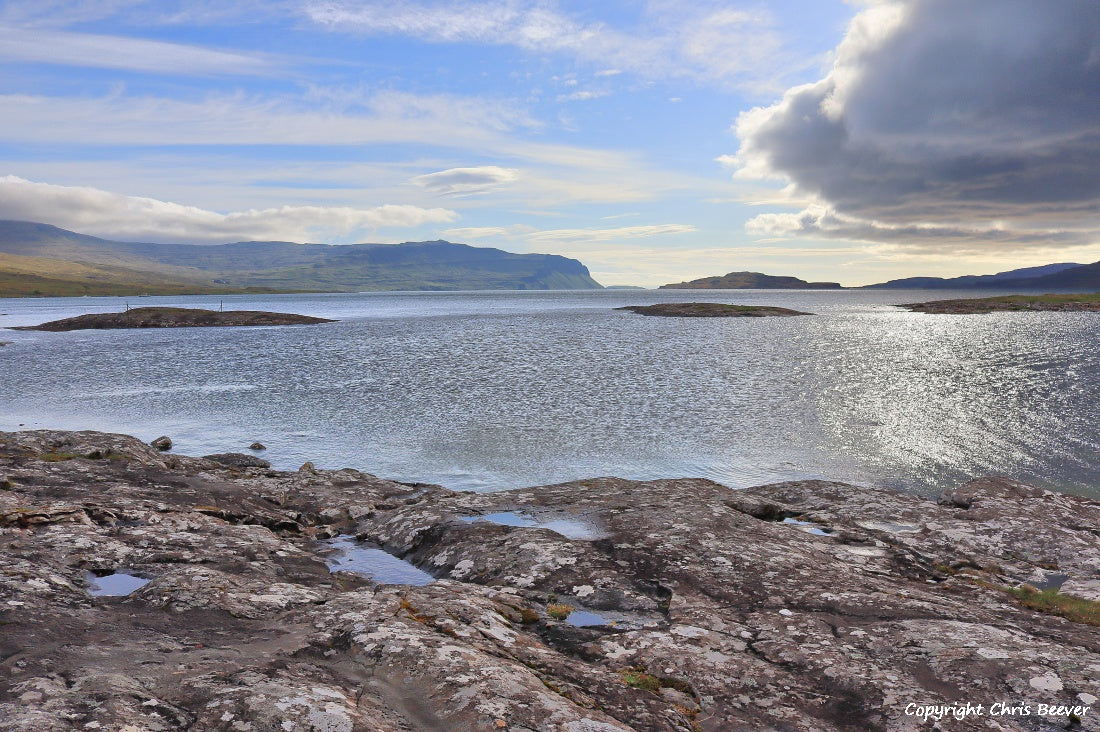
713 612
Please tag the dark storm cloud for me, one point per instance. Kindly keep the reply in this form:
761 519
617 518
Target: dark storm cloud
979 119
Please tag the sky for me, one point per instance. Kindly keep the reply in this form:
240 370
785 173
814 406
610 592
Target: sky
653 140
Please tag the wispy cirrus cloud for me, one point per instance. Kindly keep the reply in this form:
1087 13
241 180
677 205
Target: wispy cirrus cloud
707 42
104 213
66 48
256 119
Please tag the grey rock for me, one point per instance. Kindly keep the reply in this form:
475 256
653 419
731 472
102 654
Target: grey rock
162 443
719 616
257 446
238 460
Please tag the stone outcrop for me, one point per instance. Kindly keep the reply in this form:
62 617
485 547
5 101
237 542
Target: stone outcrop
686 605
751 281
161 317
1079 303
710 310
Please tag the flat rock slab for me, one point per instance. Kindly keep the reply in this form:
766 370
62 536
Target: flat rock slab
797 606
1010 303
709 310
155 317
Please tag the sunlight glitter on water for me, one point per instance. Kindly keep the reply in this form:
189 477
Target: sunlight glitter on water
488 391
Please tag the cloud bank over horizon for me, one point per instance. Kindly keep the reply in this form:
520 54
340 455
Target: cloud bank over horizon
942 127
102 213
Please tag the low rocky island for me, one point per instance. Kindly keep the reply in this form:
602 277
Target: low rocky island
142 590
1089 302
709 310
164 317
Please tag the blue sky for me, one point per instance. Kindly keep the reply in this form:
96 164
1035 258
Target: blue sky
653 140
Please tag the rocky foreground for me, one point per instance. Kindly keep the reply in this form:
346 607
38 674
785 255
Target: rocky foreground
699 607
158 317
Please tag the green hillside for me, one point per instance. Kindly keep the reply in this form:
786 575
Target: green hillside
39 259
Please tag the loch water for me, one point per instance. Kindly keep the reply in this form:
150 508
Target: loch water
495 390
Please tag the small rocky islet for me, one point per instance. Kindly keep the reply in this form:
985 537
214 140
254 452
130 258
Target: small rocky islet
144 590
709 310
1087 302
169 317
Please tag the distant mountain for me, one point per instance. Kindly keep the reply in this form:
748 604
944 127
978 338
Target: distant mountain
39 259
1027 278
751 281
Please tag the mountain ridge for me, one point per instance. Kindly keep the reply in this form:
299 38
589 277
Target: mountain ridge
43 259
1010 278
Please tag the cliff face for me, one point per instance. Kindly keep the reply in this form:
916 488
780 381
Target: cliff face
751 281
606 605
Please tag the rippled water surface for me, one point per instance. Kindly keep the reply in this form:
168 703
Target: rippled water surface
487 391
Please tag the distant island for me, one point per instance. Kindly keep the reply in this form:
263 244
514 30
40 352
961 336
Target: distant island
1011 303
709 310
173 318
751 281
1064 277
40 260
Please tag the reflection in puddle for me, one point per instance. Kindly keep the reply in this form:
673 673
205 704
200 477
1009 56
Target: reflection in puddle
808 526
118 584
570 528
344 554
585 619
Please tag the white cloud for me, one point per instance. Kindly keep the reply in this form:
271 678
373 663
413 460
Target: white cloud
238 119
561 239
701 41
943 124
604 235
103 213
582 96
465 181
119 52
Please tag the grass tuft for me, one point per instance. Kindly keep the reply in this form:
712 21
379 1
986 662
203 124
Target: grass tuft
559 611
1053 602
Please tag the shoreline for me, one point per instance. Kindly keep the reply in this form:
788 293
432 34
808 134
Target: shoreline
808 605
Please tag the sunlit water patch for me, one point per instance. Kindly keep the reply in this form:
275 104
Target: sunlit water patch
488 391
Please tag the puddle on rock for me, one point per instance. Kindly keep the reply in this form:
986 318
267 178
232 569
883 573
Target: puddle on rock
344 554
808 526
1050 582
585 619
570 528
118 584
